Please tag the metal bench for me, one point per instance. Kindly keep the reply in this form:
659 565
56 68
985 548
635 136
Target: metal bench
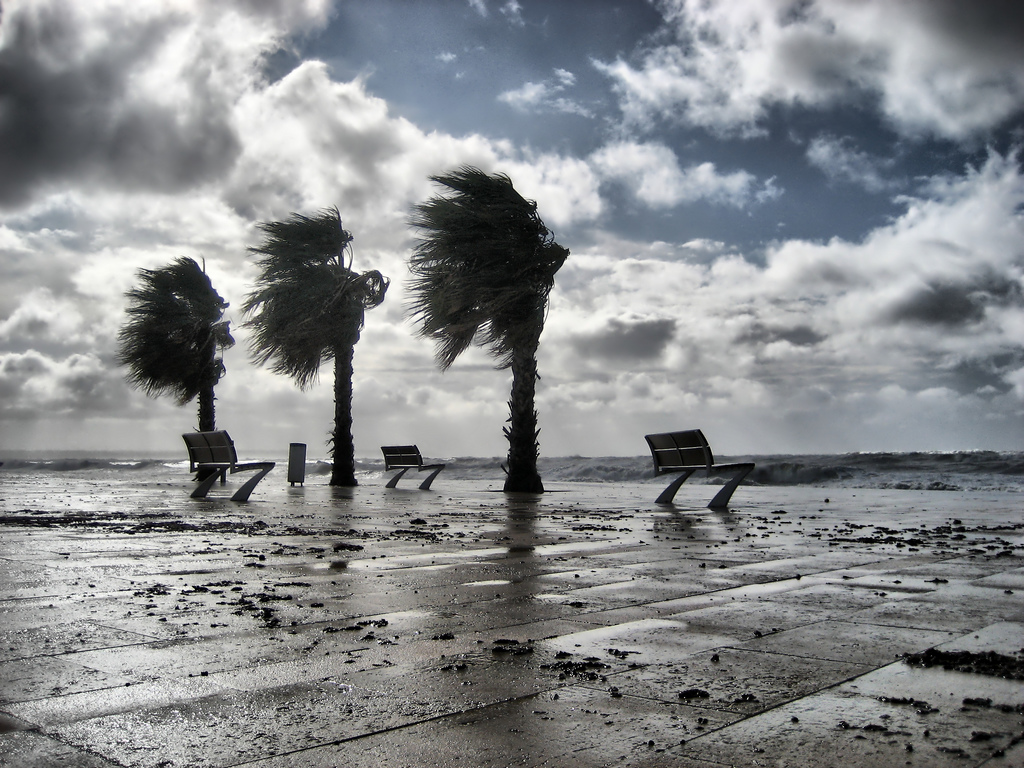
211 455
684 453
404 458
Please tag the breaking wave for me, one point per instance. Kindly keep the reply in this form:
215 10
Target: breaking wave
84 464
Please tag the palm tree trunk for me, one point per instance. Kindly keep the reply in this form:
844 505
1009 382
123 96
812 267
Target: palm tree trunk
343 451
207 420
207 417
522 431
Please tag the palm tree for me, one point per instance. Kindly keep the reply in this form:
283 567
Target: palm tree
482 274
175 329
307 308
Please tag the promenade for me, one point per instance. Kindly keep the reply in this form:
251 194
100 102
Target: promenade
466 627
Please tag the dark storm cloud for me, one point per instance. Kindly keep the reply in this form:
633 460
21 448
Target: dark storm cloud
951 305
798 336
629 339
989 374
990 28
67 110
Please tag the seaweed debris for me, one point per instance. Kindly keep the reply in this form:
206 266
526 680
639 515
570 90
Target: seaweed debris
987 663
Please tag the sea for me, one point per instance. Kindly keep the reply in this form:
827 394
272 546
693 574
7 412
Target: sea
927 471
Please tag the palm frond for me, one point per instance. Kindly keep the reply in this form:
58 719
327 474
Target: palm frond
484 268
308 303
174 331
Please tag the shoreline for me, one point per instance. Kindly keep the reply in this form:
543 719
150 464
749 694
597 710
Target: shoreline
979 471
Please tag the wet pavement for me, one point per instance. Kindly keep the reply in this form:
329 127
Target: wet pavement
465 627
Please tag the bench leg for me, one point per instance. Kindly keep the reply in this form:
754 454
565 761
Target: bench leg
722 497
425 485
670 493
207 483
394 480
242 494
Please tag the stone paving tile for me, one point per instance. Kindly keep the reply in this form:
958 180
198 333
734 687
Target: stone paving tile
867 733
55 639
1005 637
969 568
958 608
229 728
801 564
902 583
476 633
581 727
39 677
730 680
1010 579
742 618
859 643
192 624
57 711
31 613
647 641
27 749
57 588
621 594
642 756
192 657
947 693
842 597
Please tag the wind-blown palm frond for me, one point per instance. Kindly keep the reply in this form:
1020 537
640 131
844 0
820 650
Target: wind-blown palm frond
308 303
482 274
484 268
308 308
175 328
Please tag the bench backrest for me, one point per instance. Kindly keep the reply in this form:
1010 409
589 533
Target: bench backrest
401 456
680 450
209 448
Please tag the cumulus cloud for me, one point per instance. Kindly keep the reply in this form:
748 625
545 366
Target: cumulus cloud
652 172
32 384
929 303
838 159
546 96
42 319
86 91
944 68
567 190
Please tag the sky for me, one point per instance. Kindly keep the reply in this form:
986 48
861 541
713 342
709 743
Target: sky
795 224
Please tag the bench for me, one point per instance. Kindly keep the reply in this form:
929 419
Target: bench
404 458
684 453
211 455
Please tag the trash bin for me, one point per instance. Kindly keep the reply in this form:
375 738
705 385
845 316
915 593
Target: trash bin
297 463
